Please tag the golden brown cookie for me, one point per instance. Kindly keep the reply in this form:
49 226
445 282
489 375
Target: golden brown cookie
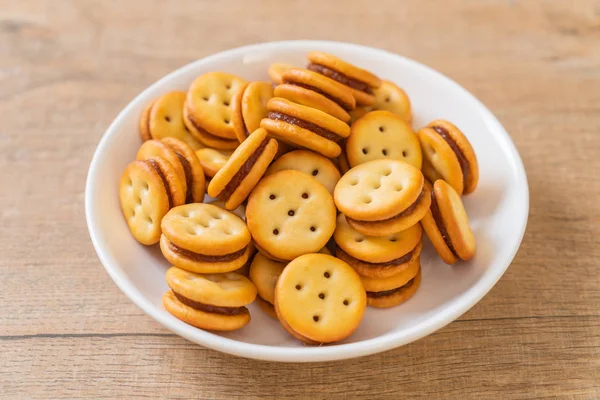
143 125
305 127
234 182
145 196
391 282
377 256
207 139
311 164
156 148
319 299
309 98
343 162
250 107
204 238
276 71
194 174
209 102
392 98
382 197
165 119
449 153
357 113
361 82
212 160
447 225
382 134
264 273
209 301
240 211
289 214
394 297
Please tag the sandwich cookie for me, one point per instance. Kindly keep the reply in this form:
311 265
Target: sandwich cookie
234 182
215 302
276 71
305 127
207 139
449 153
319 299
382 197
313 164
194 174
377 256
390 97
204 238
164 118
148 189
315 90
361 82
398 295
447 225
382 134
289 214
212 160
250 107
156 148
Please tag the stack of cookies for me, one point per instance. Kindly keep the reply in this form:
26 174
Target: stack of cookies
323 158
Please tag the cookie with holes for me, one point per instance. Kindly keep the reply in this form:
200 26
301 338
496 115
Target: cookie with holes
311 164
447 224
361 83
391 97
450 155
250 107
204 238
234 182
382 197
401 287
276 71
289 214
214 302
147 190
156 148
164 118
319 299
311 89
264 273
382 134
306 127
377 256
212 160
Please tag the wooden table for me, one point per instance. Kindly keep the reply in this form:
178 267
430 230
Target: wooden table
68 67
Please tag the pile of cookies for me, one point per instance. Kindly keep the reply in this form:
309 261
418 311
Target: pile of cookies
322 192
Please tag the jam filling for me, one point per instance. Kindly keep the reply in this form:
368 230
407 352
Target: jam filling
203 257
341 78
187 169
397 261
439 222
317 90
462 160
210 308
403 214
391 291
242 172
327 134
163 178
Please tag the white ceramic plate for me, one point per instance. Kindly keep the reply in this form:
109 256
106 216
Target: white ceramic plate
498 209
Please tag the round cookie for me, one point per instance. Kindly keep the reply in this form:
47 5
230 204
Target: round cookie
382 134
264 273
449 153
392 98
143 125
194 174
276 71
310 98
156 148
394 297
311 164
211 301
250 107
360 82
204 137
377 256
204 238
234 182
382 197
289 214
447 225
165 119
319 299
400 279
145 197
212 160
305 127
209 102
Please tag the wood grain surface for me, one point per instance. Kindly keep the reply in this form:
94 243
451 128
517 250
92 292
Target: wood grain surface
68 67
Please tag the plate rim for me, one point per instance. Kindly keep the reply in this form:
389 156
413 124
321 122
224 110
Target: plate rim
387 341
